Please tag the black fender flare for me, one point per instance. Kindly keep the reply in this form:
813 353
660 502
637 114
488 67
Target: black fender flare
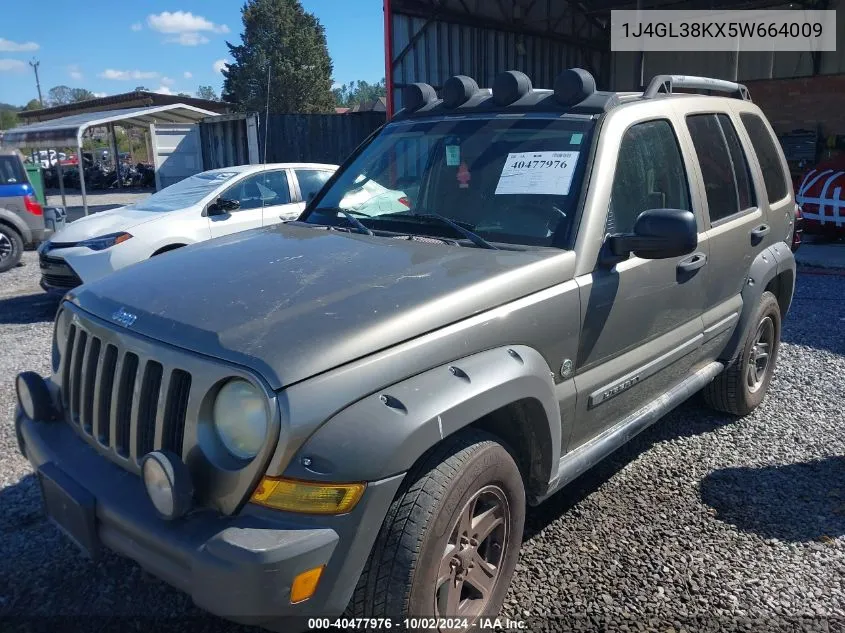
768 264
384 433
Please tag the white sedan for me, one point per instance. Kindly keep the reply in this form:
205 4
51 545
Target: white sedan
201 207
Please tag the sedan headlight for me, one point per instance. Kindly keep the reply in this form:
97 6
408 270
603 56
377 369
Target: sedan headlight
105 241
240 418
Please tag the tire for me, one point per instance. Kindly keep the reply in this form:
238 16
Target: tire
466 473
11 248
732 391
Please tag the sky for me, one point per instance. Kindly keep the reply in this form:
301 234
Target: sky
169 46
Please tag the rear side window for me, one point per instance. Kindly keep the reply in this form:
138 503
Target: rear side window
11 171
723 165
649 175
767 154
311 181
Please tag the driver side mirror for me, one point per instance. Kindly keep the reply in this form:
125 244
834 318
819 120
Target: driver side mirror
658 234
222 206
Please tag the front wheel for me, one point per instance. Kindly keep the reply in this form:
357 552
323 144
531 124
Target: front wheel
11 248
450 541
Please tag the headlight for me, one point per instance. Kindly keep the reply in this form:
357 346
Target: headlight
106 241
240 418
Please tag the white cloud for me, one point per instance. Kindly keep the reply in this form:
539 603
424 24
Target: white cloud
184 27
101 94
74 72
187 75
137 26
220 65
167 81
8 46
11 66
188 39
127 75
164 90
183 21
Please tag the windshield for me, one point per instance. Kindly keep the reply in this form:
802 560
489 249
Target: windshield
510 180
184 193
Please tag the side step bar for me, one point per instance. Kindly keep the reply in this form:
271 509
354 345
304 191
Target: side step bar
580 460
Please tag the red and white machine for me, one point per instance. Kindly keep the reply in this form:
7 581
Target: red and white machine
821 195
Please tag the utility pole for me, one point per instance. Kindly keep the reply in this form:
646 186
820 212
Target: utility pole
35 64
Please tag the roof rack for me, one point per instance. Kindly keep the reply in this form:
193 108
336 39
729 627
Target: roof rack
666 83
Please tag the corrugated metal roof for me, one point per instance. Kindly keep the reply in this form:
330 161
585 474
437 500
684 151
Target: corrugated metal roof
134 99
68 130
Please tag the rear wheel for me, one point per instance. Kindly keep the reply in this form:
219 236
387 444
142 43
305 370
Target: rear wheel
450 541
741 387
11 247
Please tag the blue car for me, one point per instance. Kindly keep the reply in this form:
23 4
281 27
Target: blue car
21 215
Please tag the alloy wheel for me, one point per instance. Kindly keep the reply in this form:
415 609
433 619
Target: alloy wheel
761 354
5 247
472 560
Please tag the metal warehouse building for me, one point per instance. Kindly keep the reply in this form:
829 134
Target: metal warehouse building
431 40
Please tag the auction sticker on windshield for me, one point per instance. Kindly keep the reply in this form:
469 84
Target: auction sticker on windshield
538 173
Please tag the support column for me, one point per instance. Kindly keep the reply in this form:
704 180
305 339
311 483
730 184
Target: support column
82 174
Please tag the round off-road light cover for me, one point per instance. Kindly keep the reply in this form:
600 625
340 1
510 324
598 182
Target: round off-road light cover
168 483
33 396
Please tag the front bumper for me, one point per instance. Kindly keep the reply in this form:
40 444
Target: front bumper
238 567
57 276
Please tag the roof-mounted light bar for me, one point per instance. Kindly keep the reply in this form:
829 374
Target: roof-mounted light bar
418 95
458 90
666 83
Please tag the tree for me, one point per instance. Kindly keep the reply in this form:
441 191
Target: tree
207 92
61 95
281 35
8 119
356 92
141 89
32 104
81 94
183 94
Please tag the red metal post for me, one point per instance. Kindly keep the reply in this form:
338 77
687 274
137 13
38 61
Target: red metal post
388 56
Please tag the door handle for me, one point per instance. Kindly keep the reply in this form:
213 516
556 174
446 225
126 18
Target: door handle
759 233
693 262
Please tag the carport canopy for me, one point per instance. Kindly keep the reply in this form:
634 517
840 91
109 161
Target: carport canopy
69 130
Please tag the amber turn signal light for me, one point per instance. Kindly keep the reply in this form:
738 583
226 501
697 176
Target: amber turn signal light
307 497
305 584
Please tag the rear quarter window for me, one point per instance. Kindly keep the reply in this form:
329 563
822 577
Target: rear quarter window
768 155
11 171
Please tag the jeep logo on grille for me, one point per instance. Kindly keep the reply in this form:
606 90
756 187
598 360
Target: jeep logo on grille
126 319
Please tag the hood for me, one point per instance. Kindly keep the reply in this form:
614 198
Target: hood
292 301
103 223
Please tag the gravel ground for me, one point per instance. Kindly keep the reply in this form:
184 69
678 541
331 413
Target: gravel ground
701 523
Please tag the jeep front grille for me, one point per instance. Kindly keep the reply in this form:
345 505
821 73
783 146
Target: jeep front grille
126 404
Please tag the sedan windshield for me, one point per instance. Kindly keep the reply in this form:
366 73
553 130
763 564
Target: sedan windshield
185 193
510 180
